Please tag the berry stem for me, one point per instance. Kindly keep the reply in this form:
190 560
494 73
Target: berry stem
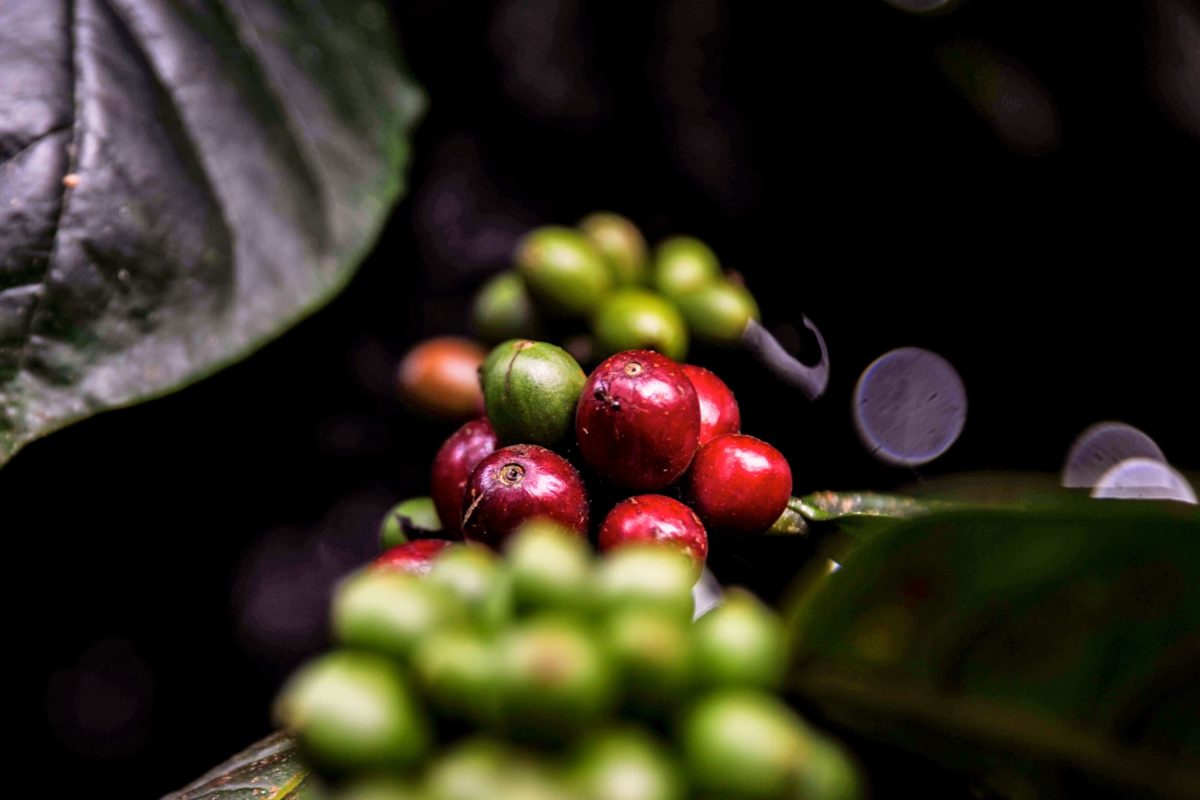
811 381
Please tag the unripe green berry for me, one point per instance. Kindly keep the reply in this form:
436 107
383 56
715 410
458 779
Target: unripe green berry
648 576
740 643
478 579
637 319
503 309
718 313
389 612
472 770
683 264
621 243
378 788
456 670
415 513
530 390
352 711
563 270
626 764
551 568
653 652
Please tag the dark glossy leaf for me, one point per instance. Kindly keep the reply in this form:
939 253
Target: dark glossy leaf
180 180
1062 644
268 770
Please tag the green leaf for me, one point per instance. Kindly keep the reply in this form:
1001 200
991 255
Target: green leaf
268 770
1044 641
179 183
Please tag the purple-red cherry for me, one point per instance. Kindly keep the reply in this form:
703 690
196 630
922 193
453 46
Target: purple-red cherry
638 420
739 484
655 518
415 557
718 407
452 468
516 484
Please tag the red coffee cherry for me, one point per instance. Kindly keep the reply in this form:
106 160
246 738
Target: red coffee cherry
452 468
638 420
519 483
718 407
415 558
655 518
440 377
738 483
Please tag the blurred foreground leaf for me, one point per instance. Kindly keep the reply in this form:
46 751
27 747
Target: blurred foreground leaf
1061 645
268 770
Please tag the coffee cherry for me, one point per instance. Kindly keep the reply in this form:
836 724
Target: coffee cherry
414 558
530 390
550 568
517 484
682 265
621 243
718 313
626 764
740 643
647 576
655 518
719 411
352 711
653 651
638 420
440 377
452 468
639 319
389 612
472 770
378 788
503 310
476 577
739 484
745 745
556 681
456 670
563 270
415 515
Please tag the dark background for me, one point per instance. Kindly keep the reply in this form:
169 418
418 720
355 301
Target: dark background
1013 185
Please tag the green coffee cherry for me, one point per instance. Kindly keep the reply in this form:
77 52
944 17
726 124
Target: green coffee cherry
414 514
740 643
647 576
473 770
626 765
683 265
456 670
390 612
351 711
378 788
477 578
530 390
551 568
503 309
653 652
556 681
831 775
718 313
637 319
620 242
563 270
746 745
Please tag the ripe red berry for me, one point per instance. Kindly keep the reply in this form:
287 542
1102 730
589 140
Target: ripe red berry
718 407
452 468
638 420
440 377
415 558
655 518
739 483
519 483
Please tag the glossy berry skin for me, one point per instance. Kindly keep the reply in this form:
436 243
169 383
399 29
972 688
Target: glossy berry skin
655 518
452 468
739 484
638 420
519 483
719 411
415 558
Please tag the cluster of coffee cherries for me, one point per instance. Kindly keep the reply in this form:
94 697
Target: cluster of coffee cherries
602 272
548 674
657 441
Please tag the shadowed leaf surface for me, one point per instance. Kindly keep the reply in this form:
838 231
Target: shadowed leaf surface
179 182
268 770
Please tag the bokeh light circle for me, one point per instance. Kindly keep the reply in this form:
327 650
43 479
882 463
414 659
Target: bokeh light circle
1100 448
1144 479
